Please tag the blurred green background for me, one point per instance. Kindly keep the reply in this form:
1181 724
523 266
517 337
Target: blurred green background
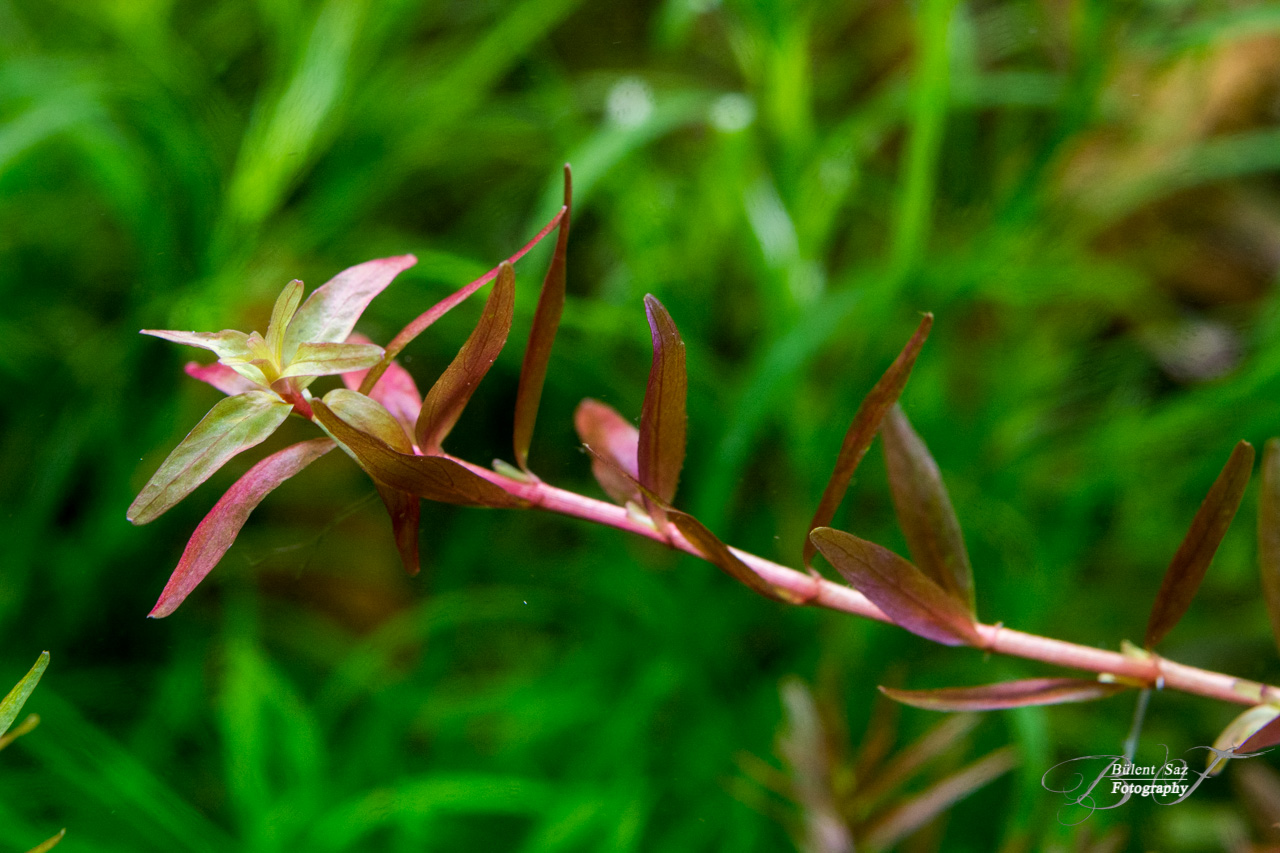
1086 193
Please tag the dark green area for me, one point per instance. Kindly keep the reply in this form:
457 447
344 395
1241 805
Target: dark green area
1084 193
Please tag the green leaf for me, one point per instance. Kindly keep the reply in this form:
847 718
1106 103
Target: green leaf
1269 534
17 697
446 400
232 348
609 434
286 306
1186 570
217 532
863 429
902 591
1007 694
546 320
924 509
331 311
331 359
232 425
663 420
48 844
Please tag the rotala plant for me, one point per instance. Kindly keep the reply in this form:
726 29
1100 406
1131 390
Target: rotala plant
398 436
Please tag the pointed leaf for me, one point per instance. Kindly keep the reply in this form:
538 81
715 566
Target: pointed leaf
286 306
435 478
1269 533
451 393
331 311
25 727
331 359
924 510
17 697
608 433
221 377
898 588
1189 564
863 429
396 390
1006 694
232 425
218 531
1266 736
546 320
405 511
226 344
663 421
1250 731
48 844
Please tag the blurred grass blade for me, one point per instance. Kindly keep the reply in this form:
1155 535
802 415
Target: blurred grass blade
609 434
395 391
451 393
435 478
423 321
1250 730
663 420
24 727
220 376
17 697
863 429
332 309
898 588
1269 533
546 320
234 424
924 510
218 531
48 844
1192 559
1007 694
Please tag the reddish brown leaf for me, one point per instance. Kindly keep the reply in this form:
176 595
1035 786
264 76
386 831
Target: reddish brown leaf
546 320
405 511
1266 736
1006 694
898 588
1189 564
451 393
435 478
218 531
863 429
608 433
1269 533
924 510
663 421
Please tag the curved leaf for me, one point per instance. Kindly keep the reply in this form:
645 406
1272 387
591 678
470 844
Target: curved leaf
863 429
220 376
608 433
451 393
1269 533
663 420
232 425
546 320
924 509
1186 570
898 588
48 844
331 311
281 313
1007 694
395 390
17 697
1251 730
218 531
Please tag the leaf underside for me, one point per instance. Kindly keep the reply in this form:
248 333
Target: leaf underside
609 434
663 419
1007 694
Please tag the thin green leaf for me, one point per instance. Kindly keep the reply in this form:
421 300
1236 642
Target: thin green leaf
609 434
1249 731
1007 694
451 393
217 532
863 429
48 844
17 697
31 721
232 425
231 347
902 591
1189 564
1269 533
331 359
663 421
331 311
281 313
924 509
435 478
546 320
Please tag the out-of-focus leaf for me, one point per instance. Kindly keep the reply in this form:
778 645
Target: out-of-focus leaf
609 434
423 321
663 420
1189 564
17 697
218 531
48 844
1269 533
396 390
220 376
232 425
449 396
1259 789
435 478
898 588
807 748
934 744
331 311
863 429
1266 736
331 359
1249 731
281 313
1006 694
924 510
937 798
546 320
29 723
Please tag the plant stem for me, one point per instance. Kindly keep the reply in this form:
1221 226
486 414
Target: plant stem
1144 670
